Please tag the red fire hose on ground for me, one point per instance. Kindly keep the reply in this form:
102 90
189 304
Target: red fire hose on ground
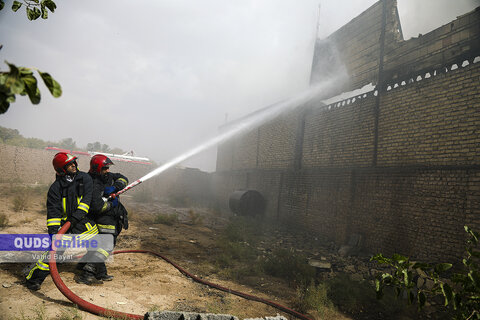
92 308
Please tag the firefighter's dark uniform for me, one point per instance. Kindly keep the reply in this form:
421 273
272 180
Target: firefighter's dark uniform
67 200
109 219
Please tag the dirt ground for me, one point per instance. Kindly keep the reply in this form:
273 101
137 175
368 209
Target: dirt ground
142 282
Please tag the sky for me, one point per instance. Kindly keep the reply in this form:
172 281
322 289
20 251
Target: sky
160 77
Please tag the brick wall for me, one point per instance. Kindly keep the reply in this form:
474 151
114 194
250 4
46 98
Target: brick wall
399 165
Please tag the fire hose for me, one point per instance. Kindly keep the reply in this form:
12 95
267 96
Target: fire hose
92 308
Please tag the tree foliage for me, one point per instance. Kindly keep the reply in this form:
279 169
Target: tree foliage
22 80
13 137
460 291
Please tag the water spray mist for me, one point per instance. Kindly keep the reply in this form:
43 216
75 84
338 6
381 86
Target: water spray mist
250 122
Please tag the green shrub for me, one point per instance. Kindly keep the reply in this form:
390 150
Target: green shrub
288 265
460 291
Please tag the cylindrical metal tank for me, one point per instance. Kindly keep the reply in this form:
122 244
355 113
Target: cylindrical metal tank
247 203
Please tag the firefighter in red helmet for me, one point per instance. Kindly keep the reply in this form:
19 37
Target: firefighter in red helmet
106 210
68 199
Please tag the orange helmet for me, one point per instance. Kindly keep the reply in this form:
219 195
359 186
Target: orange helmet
61 160
98 162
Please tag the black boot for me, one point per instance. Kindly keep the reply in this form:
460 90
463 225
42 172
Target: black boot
101 273
88 275
35 278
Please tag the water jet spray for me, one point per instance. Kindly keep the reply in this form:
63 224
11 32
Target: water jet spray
251 121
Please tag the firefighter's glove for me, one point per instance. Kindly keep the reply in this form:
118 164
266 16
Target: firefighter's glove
73 221
114 202
108 191
120 183
53 229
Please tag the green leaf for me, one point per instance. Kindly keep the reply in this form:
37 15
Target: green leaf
32 89
473 234
37 13
50 5
44 11
52 84
411 297
475 278
25 71
447 293
10 98
378 286
421 298
30 14
380 259
4 105
33 14
16 5
421 266
407 278
399 258
17 87
442 267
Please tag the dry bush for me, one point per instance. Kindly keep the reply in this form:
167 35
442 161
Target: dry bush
20 202
167 219
3 220
195 218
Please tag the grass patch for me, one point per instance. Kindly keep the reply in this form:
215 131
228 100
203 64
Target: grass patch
71 314
40 313
315 298
167 219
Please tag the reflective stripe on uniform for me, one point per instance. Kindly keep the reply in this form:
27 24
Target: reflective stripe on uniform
122 181
64 204
39 265
105 226
42 265
30 274
105 207
53 222
88 234
83 206
103 252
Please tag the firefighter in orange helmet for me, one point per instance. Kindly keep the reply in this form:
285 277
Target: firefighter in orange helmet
106 210
68 199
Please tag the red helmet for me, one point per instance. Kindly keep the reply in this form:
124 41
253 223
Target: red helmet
98 162
61 160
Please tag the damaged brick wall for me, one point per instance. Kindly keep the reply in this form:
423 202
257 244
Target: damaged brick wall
399 165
